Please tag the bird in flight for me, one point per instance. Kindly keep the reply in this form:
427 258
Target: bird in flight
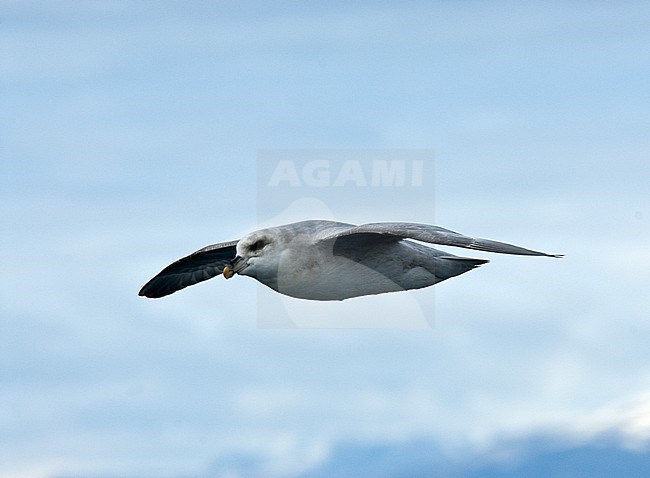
327 260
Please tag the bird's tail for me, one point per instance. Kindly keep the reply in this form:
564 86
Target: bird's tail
452 266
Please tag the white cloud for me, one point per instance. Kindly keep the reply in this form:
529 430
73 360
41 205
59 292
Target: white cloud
627 419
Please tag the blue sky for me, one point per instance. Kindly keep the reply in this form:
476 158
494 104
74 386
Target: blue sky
129 137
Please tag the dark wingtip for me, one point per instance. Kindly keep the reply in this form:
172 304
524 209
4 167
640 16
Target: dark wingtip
152 292
144 293
152 295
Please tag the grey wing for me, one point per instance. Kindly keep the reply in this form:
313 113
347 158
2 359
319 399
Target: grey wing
439 235
197 267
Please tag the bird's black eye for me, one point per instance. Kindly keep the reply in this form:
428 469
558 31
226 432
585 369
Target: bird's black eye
257 245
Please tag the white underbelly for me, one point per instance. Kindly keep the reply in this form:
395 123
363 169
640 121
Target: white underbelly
343 278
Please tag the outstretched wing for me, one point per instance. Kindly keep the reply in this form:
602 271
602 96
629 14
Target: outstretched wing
437 235
197 267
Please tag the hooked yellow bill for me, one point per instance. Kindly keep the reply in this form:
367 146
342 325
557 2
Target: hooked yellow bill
228 272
